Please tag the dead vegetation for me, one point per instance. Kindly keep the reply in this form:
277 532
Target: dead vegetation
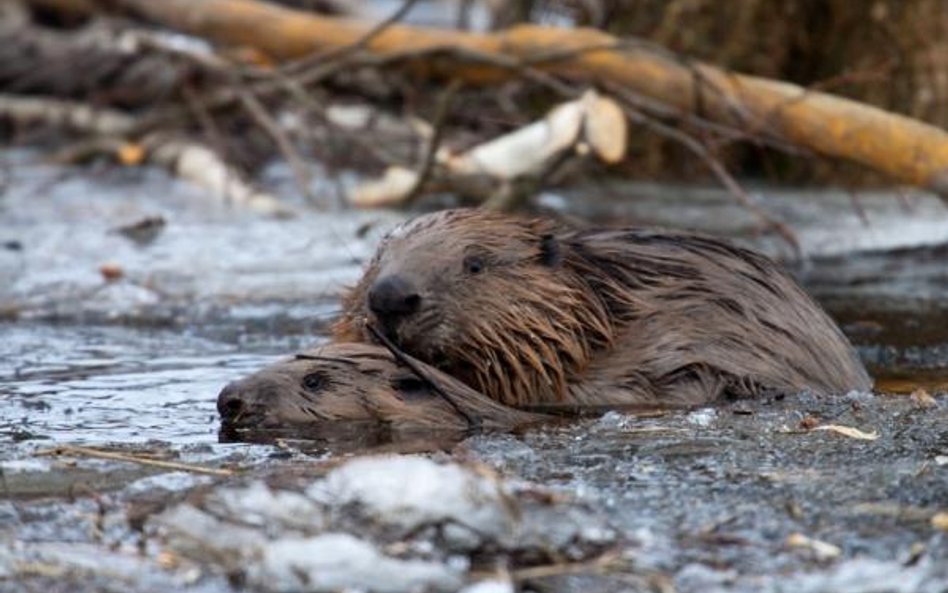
214 89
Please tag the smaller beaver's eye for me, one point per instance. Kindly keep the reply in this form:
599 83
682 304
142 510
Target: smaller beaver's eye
473 264
315 381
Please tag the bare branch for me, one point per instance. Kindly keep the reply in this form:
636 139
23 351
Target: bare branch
283 142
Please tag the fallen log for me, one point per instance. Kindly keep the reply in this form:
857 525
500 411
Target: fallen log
906 149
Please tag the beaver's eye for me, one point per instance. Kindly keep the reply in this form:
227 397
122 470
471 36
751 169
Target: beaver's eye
473 264
315 381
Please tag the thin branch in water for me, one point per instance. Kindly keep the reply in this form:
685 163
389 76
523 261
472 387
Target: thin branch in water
427 165
609 561
512 195
259 113
315 108
336 55
719 171
77 451
472 422
905 201
857 207
206 120
310 69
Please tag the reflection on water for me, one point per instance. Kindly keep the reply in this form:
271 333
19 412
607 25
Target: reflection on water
112 384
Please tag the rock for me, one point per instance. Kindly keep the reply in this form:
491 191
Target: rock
260 506
339 561
410 492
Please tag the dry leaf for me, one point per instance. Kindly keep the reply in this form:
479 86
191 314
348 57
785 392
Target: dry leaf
168 560
131 153
923 399
390 190
823 550
809 422
606 127
848 431
111 272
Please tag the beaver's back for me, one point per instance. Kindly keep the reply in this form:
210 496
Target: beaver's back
355 382
700 316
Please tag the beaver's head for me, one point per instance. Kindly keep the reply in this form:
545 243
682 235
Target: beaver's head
485 297
354 383
336 382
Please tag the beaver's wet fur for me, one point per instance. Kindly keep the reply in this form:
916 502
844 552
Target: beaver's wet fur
529 311
357 383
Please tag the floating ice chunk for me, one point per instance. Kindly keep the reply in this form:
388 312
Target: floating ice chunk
703 417
339 561
409 492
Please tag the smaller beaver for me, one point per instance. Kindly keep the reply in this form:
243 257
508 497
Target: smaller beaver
358 383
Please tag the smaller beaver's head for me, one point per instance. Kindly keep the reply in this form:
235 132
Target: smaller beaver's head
483 296
336 382
353 382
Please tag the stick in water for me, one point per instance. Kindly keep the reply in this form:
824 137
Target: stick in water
403 359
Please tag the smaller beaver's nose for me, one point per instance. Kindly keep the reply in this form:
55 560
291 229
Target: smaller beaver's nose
230 403
392 297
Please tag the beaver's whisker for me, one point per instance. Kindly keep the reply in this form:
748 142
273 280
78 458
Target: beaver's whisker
426 324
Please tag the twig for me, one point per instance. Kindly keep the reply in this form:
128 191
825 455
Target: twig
719 171
205 120
283 142
427 165
727 132
513 194
472 422
311 105
77 451
605 562
857 207
337 55
528 71
635 114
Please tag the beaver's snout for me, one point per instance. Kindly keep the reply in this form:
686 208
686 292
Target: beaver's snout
392 298
235 407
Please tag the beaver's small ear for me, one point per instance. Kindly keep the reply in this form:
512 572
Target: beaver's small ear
550 254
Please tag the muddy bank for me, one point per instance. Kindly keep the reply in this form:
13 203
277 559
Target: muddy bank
742 498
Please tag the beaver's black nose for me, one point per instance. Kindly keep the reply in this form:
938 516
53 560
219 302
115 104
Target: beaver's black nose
392 297
230 403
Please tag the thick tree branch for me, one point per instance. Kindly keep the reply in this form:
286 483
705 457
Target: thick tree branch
906 149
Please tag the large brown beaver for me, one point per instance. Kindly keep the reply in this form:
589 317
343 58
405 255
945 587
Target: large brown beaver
358 383
529 311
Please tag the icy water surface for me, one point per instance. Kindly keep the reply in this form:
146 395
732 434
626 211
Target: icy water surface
122 345
100 384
